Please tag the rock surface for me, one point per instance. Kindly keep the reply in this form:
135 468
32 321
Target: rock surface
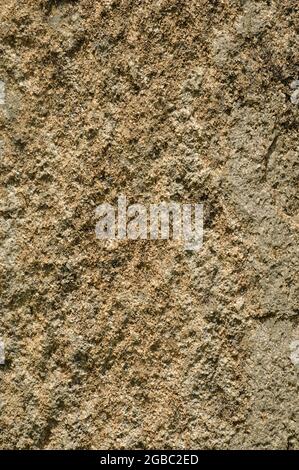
141 344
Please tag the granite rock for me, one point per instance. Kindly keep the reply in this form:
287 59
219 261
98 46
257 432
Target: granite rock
140 344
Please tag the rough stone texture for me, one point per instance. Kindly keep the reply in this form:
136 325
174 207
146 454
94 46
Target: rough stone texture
141 344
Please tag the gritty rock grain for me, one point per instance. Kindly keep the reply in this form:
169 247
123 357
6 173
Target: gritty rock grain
142 345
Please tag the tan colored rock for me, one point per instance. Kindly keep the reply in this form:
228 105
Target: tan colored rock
141 344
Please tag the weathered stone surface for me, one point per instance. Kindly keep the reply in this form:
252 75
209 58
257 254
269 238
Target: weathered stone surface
141 344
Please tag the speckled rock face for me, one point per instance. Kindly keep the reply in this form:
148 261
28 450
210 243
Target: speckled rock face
141 344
